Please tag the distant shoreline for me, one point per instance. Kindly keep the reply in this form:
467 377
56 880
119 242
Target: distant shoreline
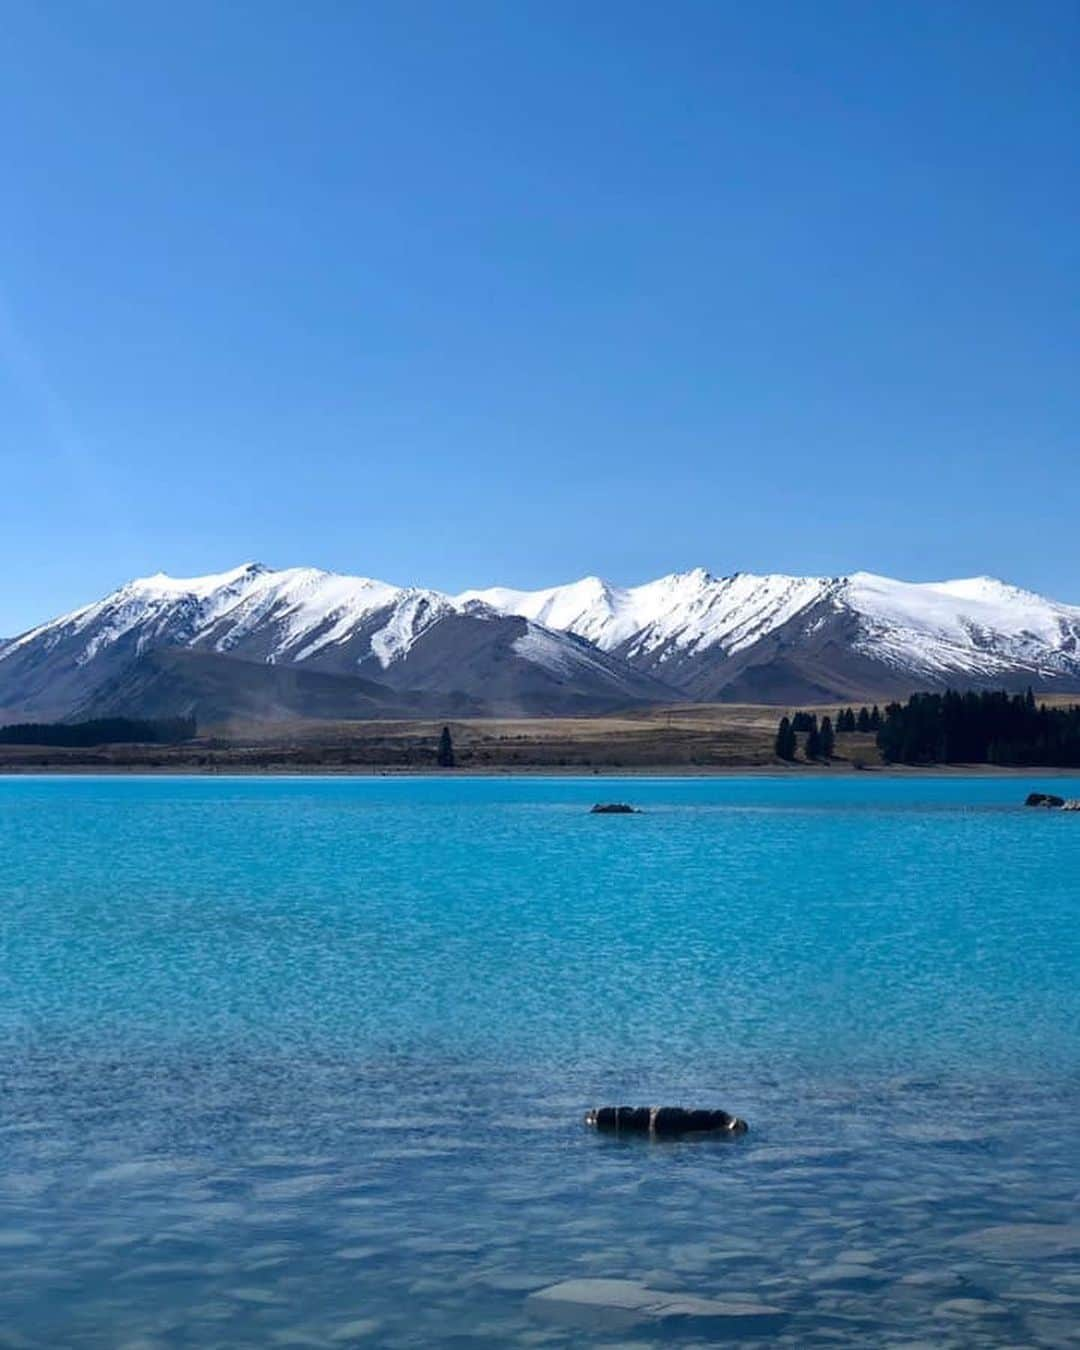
834 770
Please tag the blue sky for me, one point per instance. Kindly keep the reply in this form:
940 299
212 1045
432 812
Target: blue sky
457 293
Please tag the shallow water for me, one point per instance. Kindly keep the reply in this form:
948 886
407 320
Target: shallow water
303 1062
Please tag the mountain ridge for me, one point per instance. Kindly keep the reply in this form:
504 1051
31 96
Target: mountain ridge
587 646
694 626
412 640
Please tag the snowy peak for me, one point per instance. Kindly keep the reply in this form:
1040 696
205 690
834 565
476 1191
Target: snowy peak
584 607
162 586
996 602
295 614
973 626
688 611
298 613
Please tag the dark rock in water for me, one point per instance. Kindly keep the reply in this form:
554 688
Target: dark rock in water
614 809
1044 799
669 1121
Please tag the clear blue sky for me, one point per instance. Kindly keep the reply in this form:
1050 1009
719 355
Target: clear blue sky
456 292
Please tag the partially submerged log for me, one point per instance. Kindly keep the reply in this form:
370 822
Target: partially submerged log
669 1121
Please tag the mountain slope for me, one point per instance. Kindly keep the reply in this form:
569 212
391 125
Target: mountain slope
216 689
520 669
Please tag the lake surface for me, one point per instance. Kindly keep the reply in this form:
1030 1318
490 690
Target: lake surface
303 1062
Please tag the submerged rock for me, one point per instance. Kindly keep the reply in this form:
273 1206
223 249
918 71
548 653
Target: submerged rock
1044 799
970 1307
846 1275
614 1305
1024 1241
663 1120
614 809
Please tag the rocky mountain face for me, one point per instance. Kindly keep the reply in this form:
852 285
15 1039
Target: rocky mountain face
255 643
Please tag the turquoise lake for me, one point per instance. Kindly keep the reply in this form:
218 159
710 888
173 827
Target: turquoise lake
303 1062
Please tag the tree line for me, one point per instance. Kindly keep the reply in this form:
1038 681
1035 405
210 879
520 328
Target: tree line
819 739
100 731
987 727
980 728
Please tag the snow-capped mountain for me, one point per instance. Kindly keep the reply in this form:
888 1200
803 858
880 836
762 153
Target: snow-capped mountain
399 638
687 612
585 647
781 638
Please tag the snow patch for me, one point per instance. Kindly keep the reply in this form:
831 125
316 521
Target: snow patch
412 615
544 650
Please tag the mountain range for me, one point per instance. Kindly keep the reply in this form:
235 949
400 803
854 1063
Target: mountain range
258 644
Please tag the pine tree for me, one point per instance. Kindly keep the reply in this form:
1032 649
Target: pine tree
828 740
812 745
863 724
786 740
445 757
875 718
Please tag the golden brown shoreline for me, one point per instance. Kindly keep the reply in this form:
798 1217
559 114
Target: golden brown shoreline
688 740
